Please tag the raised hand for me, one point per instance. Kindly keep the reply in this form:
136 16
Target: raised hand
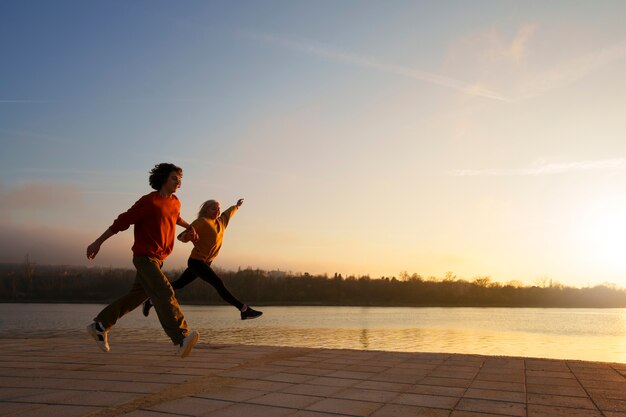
93 249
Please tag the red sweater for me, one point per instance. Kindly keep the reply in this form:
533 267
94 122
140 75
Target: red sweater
155 218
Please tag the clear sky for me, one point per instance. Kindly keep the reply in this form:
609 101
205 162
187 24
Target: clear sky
485 138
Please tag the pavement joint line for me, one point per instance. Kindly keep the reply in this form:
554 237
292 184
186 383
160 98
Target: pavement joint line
167 394
188 389
482 364
584 389
526 385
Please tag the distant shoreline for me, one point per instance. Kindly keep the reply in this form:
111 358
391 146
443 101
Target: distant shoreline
104 302
65 284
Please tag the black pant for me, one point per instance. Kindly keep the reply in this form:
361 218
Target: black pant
197 268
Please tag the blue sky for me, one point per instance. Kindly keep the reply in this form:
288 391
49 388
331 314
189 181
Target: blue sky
483 138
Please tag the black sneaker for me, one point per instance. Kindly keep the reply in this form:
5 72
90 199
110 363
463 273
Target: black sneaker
250 313
147 305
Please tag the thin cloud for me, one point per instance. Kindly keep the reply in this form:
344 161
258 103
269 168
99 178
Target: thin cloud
109 193
615 164
518 48
46 244
38 196
5 101
572 71
37 136
81 172
493 47
504 61
326 52
139 100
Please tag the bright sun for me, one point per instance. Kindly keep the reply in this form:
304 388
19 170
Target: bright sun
603 231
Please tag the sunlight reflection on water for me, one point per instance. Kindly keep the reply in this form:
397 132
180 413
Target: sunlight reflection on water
586 334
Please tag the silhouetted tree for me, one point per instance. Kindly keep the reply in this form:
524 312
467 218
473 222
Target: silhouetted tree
81 284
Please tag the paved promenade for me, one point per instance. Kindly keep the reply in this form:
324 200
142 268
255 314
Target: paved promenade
60 377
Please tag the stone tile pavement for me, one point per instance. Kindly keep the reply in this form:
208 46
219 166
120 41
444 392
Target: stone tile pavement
72 377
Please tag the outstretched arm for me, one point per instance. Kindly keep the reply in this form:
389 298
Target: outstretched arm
230 212
94 248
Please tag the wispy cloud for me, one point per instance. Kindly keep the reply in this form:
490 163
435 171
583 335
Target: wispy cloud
615 164
38 196
58 245
528 64
81 172
33 135
518 48
6 101
131 100
326 52
491 47
570 71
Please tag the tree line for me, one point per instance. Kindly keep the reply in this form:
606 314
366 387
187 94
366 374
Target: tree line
28 282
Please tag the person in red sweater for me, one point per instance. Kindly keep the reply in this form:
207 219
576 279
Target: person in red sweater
155 216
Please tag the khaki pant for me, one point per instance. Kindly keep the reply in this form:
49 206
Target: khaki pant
150 282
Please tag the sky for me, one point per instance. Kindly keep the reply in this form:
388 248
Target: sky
482 138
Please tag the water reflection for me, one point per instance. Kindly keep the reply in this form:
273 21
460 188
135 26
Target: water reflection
429 340
365 344
586 334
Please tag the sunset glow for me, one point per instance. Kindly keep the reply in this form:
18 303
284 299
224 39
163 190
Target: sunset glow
484 139
603 232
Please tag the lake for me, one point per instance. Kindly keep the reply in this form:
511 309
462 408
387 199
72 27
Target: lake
585 334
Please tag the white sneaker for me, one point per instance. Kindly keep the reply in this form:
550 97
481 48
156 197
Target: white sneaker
100 337
188 343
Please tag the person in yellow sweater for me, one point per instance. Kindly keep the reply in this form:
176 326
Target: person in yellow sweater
210 226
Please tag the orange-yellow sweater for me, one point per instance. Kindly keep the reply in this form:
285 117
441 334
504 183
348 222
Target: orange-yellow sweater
211 234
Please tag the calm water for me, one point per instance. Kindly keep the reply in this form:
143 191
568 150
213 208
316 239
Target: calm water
587 334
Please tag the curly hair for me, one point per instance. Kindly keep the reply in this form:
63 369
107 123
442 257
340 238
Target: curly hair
160 173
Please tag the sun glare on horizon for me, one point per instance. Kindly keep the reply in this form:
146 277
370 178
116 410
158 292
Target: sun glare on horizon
603 236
